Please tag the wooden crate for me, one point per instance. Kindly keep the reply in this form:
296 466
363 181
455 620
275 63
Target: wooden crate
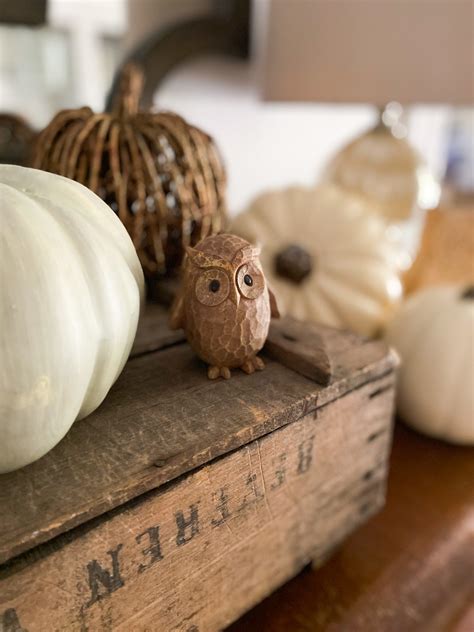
182 502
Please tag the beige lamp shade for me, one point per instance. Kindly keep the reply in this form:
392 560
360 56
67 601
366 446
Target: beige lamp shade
369 51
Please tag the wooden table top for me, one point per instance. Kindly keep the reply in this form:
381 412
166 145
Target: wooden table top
151 431
409 568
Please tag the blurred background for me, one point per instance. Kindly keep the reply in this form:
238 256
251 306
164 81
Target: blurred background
271 131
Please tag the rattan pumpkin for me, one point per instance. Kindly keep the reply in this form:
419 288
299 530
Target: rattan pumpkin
163 177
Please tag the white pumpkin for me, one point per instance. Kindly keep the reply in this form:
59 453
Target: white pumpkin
353 281
71 285
434 335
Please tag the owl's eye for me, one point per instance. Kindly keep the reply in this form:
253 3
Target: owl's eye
212 287
250 280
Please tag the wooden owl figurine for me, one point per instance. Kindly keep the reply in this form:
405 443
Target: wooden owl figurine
224 304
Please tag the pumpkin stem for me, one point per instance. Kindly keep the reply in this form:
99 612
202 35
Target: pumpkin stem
130 90
294 263
468 293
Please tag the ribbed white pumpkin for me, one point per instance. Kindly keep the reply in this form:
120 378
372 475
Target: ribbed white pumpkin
434 335
71 284
354 282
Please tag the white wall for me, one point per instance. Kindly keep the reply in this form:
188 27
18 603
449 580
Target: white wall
270 145
87 22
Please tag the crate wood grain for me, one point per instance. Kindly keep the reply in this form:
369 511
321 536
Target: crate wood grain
182 502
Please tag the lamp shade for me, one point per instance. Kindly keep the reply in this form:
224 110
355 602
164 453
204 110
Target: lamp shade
369 51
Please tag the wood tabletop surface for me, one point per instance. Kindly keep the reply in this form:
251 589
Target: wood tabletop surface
409 568
164 418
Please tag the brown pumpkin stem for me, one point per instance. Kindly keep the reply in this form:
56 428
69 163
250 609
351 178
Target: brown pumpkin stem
468 293
130 91
294 263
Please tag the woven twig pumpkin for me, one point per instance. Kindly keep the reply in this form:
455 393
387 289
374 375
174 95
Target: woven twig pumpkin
163 177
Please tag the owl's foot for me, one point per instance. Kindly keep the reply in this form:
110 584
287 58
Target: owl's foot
252 365
213 372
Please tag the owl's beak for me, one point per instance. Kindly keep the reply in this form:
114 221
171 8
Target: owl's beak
235 295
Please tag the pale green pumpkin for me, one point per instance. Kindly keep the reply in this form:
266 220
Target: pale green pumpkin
71 285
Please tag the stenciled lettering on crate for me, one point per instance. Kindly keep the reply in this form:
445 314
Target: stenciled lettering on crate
106 576
102 581
326 470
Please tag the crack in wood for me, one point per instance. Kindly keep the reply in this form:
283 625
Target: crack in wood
381 390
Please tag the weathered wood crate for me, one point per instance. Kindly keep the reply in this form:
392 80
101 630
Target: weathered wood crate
182 502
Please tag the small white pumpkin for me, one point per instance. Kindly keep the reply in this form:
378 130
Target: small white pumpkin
327 258
434 335
71 285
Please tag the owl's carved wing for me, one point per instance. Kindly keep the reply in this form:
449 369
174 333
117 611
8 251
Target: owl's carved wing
274 311
177 315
